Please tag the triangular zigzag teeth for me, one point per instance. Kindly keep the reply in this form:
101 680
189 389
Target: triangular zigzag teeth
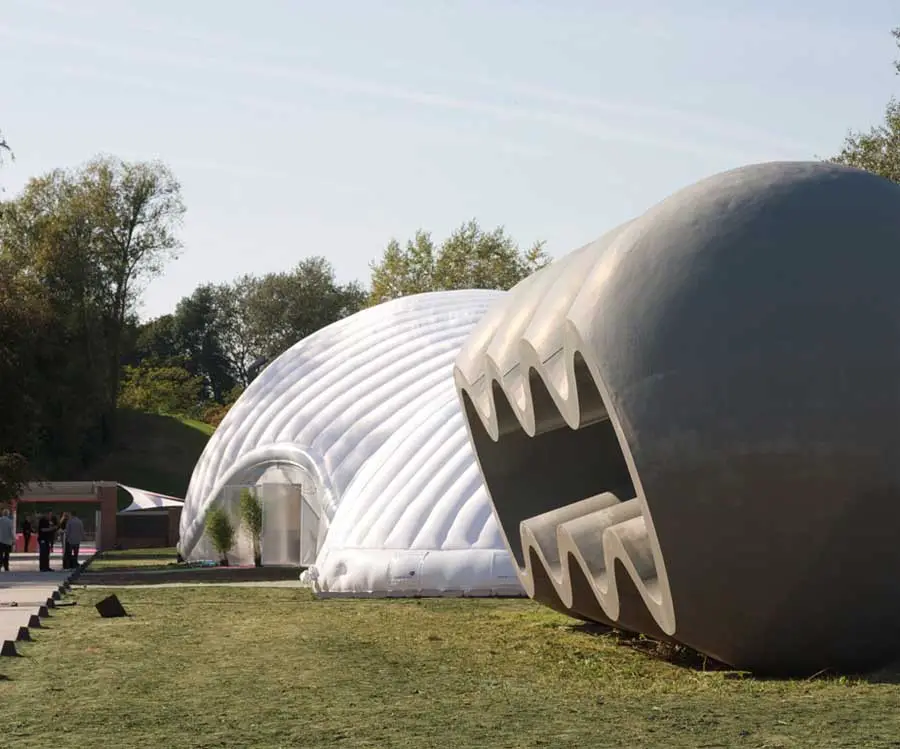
559 538
568 536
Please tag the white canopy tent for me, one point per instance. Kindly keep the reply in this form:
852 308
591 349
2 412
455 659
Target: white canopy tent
356 445
144 501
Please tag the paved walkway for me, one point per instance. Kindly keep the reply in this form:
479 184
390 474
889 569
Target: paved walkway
32 556
26 596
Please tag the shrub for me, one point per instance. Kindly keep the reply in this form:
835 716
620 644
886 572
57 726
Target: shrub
221 532
213 414
252 517
160 389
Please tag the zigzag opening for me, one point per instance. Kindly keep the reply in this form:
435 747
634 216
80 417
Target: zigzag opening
567 502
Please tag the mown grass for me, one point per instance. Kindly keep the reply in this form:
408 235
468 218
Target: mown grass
146 559
263 667
126 555
200 426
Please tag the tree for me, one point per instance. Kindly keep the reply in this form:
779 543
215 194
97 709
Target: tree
283 308
198 328
135 209
155 340
896 34
221 532
877 150
4 146
252 516
237 332
75 246
54 330
13 476
470 258
88 238
160 389
18 427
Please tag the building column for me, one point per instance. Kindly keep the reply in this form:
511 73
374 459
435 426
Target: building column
174 525
108 495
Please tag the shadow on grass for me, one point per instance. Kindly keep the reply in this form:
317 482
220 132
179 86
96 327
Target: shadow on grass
678 655
887 675
687 658
184 573
137 554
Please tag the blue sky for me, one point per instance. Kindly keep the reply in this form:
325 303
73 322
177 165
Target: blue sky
301 128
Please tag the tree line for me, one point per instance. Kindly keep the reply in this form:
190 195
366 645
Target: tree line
199 358
78 246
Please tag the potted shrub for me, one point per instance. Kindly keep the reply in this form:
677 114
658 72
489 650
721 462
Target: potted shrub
252 518
221 532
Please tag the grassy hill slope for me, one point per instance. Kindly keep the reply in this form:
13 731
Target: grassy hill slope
152 452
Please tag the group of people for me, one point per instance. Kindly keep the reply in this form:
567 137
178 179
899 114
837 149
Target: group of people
68 528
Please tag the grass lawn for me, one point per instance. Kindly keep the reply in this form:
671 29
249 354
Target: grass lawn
162 558
264 667
200 426
152 452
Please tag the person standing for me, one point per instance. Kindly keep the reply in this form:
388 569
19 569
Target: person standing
55 523
27 530
46 532
61 537
74 537
7 539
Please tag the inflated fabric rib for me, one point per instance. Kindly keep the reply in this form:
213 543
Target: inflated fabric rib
367 408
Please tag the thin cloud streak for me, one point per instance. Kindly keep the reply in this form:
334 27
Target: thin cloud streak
358 86
257 106
715 126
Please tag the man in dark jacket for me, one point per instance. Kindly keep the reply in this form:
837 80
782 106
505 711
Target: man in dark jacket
27 530
46 533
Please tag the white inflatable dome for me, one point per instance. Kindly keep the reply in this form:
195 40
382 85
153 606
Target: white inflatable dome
356 445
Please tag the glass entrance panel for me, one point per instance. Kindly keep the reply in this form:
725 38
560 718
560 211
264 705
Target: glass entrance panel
282 509
309 530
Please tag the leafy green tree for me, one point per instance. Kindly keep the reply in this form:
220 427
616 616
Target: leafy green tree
13 475
134 209
878 149
221 532
56 326
470 258
283 308
156 340
223 332
90 237
160 389
239 333
5 150
75 248
252 517
213 413
199 326
896 34
20 316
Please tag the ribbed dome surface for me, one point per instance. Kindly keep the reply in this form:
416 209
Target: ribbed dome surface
368 408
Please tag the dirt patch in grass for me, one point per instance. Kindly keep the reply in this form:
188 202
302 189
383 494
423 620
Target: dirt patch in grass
207 667
175 573
155 566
